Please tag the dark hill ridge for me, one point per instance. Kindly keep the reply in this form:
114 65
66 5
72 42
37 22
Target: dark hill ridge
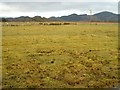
101 17
27 19
106 16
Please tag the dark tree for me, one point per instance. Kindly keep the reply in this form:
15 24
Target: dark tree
4 20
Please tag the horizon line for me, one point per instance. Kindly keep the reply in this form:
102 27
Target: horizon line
55 16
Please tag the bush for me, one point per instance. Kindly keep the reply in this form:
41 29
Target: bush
55 24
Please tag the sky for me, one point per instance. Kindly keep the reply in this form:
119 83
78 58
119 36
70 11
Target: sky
55 8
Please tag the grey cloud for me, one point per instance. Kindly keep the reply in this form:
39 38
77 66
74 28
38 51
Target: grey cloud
41 7
56 6
32 6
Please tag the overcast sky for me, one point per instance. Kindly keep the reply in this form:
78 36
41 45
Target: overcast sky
48 9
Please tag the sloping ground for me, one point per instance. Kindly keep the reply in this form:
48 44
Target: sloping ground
73 56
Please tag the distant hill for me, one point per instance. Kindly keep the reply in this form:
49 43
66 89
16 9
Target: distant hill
106 16
72 17
26 19
101 17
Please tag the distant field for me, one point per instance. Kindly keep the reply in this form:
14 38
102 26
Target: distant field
81 55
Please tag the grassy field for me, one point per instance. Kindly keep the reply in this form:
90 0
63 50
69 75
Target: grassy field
60 56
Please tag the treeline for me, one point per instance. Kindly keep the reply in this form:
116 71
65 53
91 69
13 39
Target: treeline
37 23
58 23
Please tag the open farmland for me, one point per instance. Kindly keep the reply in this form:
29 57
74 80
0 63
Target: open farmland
60 56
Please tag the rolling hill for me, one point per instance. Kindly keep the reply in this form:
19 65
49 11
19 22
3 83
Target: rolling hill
101 17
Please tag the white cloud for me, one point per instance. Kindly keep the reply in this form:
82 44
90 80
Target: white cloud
48 9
